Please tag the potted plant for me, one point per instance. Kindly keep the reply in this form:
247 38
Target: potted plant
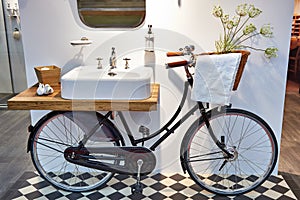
237 30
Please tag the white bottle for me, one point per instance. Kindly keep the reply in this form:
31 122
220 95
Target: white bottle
149 40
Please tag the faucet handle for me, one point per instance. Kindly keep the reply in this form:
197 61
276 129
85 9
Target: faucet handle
99 62
126 62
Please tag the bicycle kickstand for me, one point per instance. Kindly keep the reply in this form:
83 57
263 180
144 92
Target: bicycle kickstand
138 187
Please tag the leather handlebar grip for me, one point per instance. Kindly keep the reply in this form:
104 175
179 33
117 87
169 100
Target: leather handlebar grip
177 64
169 54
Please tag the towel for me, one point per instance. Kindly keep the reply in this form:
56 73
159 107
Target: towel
214 78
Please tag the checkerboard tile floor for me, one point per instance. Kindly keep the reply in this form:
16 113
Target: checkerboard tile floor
160 186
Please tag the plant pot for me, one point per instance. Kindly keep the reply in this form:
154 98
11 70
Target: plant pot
48 74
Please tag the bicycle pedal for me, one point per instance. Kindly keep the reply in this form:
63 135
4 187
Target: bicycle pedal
144 130
137 189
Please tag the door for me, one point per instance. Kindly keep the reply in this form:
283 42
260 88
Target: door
5 74
12 64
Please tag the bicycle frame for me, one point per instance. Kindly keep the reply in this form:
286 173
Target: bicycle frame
166 128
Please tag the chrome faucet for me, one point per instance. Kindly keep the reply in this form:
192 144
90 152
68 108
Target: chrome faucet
113 59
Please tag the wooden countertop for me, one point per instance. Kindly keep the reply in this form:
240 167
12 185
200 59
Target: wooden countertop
28 100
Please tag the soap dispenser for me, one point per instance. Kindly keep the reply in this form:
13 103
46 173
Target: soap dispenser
149 57
149 40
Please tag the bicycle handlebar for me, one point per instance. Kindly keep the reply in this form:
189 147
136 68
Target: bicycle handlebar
192 60
178 63
174 53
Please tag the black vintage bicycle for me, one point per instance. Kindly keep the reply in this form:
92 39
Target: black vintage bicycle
226 151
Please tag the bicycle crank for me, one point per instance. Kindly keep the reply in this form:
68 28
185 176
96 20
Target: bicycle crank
122 160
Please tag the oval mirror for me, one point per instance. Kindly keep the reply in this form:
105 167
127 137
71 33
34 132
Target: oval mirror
112 13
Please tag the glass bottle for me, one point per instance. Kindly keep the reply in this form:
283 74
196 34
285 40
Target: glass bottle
149 40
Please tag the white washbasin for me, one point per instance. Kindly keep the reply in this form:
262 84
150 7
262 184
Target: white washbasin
88 82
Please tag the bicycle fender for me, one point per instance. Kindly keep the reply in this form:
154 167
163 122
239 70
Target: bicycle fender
30 130
33 129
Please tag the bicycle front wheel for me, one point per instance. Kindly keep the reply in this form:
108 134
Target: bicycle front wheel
246 136
59 130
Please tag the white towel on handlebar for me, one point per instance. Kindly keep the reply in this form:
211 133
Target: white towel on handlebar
214 77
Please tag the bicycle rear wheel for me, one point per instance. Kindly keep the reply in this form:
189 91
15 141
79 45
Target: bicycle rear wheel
246 136
60 130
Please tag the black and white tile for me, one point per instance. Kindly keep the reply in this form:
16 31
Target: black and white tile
160 186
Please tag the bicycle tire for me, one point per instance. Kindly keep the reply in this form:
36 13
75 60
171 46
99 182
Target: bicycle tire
59 130
247 136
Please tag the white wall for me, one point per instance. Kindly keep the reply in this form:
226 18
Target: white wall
48 26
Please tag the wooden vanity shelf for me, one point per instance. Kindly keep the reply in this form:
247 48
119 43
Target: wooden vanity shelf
28 100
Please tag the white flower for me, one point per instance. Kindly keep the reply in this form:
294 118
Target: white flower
253 12
230 24
225 18
249 29
271 52
242 10
235 20
266 30
217 11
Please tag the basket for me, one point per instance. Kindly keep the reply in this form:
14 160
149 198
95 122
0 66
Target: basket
48 74
240 70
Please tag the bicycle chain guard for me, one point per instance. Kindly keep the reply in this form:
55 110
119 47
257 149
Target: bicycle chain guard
122 160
